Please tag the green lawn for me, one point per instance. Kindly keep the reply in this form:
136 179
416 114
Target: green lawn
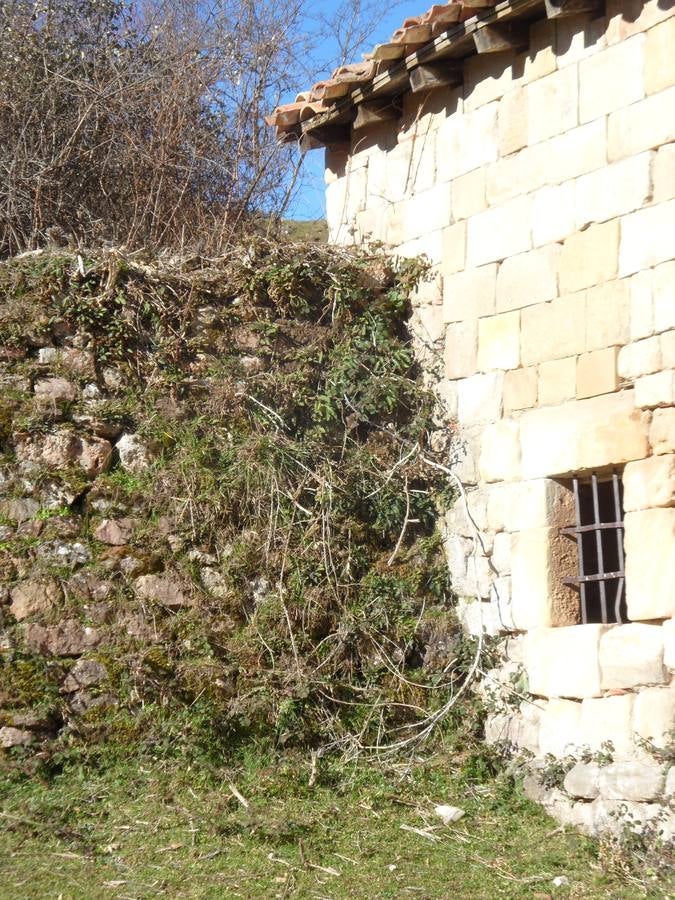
150 829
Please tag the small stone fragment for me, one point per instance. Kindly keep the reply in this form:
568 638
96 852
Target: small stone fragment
14 737
135 455
449 814
162 589
55 389
32 598
115 532
85 673
95 454
68 638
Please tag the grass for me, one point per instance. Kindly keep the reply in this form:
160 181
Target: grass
150 829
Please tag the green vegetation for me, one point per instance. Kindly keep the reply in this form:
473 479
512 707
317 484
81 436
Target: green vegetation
158 830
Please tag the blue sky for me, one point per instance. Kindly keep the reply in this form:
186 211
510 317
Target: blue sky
309 202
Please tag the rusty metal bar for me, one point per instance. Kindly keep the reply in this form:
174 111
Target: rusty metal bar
588 579
598 546
580 553
582 529
619 546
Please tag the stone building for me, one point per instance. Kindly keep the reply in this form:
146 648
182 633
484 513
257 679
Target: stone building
528 149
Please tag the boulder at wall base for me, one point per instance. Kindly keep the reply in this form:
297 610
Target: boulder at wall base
162 589
85 673
135 455
55 389
115 532
65 448
33 598
68 638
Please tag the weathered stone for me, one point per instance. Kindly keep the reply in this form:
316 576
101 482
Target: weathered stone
33 598
214 582
56 450
64 553
631 780
134 453
557 380
669 643
479 398
461 343
553 213
468 194
520 389
500 452
649 482
641 126
614 816
649 543
559 727
499 341
547 655
501 553
19 509
538 503
613 190
470 294
499 232
590 257
606 719
655 390
612 79
85 673
55 389
115 532
640 358
477 618
582 780
596 373
601 431
162 589
540 558
14 737
662 431
68 638
553 330
654 716
528 278
645 238
94 455
631 655
659 62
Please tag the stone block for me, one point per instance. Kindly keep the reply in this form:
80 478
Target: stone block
465 519
631 780
454 248
479 398
655 390
540 59
590 257
654 716
668 348
559 724
427 325
662 431
582 780
465 142
520 389
649 543
470 294
646 237
607 315
584 434
640 358
596 373
512 121
669 643
487 77
641 305
557 380
578 37
500 452
501 554
641 126
614 190
612 79
608 719
528 278
664 298
461 349
664 173
553 213
477 618
631 655
499 342
659 57
446 391
548 653
540 558
553 330
465 450
539 503
499 232
553 100
426 212
468 194
649 482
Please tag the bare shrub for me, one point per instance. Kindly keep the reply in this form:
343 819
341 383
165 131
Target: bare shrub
140 121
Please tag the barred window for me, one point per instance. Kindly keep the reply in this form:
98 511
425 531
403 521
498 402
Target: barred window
598 533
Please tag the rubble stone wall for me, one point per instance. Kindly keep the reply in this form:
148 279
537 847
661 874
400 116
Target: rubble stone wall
543 193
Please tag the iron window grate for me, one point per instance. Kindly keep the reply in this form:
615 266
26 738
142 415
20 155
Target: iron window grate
599 536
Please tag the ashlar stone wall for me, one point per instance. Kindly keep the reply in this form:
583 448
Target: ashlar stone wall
543 192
